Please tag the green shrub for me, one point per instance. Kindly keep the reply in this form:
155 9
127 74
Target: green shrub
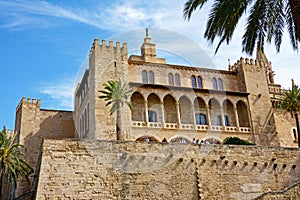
236 141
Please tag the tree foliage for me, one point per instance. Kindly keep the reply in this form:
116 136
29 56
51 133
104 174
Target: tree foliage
266 20
236 141
12 159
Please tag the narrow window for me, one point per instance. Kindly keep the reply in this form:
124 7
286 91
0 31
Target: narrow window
152 116
177 80
214 82
144 77
219 120
226 121
171 79
151 77
194 84
200 119
199 80
220 84
295 134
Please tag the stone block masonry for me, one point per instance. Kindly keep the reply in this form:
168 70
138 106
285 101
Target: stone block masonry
91 169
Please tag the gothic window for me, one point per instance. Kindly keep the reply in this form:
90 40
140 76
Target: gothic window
171 79
194 84
220 84
144 77
177 80
199 80
200 119
152 116
214 82
151 77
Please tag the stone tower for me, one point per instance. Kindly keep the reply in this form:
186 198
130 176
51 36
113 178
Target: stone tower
105 63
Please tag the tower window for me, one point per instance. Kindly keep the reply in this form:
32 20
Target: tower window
295 135
144 77
199 80
220 84
226 120
200 119
152 116
177 79
194 84
171 79
151 77
214 82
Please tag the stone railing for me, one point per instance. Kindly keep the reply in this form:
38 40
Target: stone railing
171 125
230 128
138 123
275 89
216 128
202 127
187 126
245 130
154 125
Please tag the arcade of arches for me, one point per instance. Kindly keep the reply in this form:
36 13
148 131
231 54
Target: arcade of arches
184 113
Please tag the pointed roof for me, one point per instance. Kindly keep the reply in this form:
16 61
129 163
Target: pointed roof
260 55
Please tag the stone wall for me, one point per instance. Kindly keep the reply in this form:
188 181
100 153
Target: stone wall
33 124
75 169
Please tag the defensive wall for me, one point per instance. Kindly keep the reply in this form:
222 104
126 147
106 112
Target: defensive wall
94 169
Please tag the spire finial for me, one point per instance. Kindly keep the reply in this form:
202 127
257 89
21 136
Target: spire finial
293 83
147 32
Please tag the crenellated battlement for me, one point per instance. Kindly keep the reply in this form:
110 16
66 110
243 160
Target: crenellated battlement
29 102
10 132
117 49
246 61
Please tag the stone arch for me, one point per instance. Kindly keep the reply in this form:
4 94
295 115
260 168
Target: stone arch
200 111
215 112
186 114
170 109
154 105
228 110
146 138
138 107
211 140
181 139
243 116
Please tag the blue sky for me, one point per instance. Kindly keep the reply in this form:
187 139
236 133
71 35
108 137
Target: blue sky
44 43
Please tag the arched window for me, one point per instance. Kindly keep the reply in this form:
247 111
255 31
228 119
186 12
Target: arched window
194 84
177 79
214 82
200 119
171 79
152 116
199 80
220 84
151 77
144 77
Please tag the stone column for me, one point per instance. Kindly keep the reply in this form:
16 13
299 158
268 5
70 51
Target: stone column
162 114
222 117
193 113
178 114
236 117
208 116
146 113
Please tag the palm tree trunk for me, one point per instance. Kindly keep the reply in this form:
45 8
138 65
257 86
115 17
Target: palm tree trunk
295 8
118 121
298 128
2 184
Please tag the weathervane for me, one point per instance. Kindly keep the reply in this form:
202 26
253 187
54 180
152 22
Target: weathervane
147 34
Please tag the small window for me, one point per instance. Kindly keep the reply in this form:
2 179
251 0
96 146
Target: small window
152 116
226 120
200 119
151 77
171 79
295 135
177 80
144 77
199 80
220 84
214 82
194 84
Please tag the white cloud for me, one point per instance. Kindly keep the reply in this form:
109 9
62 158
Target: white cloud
61 92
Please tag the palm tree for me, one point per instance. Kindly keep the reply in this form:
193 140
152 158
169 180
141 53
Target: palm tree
116 95
291 103
12 161
266 21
